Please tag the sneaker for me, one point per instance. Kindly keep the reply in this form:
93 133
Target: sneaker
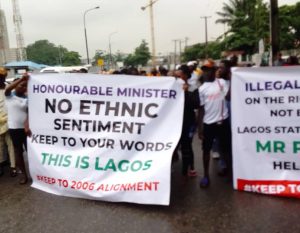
204 182
192 173
23 180
215 155
13 172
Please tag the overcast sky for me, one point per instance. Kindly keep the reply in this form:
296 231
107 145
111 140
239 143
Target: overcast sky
61 22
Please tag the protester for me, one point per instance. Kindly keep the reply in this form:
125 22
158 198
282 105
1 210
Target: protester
163 71
17 113
194 81
191 102
213 116
292 61
5 139
224 72
279 61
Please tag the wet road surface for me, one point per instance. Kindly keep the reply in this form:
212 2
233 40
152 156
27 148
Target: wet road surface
216 209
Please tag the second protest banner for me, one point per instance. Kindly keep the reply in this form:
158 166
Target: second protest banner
104 137
265 128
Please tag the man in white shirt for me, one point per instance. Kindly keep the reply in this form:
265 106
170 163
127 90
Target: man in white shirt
213 116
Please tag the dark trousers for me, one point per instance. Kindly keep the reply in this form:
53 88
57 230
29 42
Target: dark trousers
222 132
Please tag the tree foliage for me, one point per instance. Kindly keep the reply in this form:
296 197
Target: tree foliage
45 52
200 51
140 57
289 19
248 23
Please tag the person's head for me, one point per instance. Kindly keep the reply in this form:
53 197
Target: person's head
3 74
183 73
223 70
133 71
279 56
83 70
209 70
192 65
143 73
21 88
124 71
154 72
234 60
163 71
293 60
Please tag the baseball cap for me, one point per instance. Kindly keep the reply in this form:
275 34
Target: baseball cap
3 71
209 63
191 63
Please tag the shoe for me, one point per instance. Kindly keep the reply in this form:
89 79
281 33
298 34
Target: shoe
13 172
204 182
23 180
215 155
192 173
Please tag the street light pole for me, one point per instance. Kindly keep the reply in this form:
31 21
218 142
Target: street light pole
150 5
206 40
85 34
109 43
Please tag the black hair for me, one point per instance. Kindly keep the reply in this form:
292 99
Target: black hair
185 69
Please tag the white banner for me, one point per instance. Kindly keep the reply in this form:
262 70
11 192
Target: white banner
104 137
265 128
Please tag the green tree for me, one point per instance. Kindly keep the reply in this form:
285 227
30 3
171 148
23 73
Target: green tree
45 52
248 23
71 58
200 51
289 18
141 55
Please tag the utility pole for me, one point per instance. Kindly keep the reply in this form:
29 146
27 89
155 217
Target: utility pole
274 28
206 36
186 42
175 50
180 48
150 5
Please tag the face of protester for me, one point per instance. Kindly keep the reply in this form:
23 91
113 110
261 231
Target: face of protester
181 75
222 72
21 89
209 74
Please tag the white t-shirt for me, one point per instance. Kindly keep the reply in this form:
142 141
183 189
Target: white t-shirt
17 111
212 97
194 82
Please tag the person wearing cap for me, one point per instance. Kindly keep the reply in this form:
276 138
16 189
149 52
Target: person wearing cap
5 139
213 116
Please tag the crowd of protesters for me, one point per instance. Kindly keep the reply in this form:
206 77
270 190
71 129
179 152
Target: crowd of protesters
206 112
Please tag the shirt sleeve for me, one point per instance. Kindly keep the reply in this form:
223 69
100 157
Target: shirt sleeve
201 96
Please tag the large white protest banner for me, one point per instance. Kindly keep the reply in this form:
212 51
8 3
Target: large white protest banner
104 137
265 128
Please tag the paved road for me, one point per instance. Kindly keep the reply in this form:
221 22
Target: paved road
217 209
